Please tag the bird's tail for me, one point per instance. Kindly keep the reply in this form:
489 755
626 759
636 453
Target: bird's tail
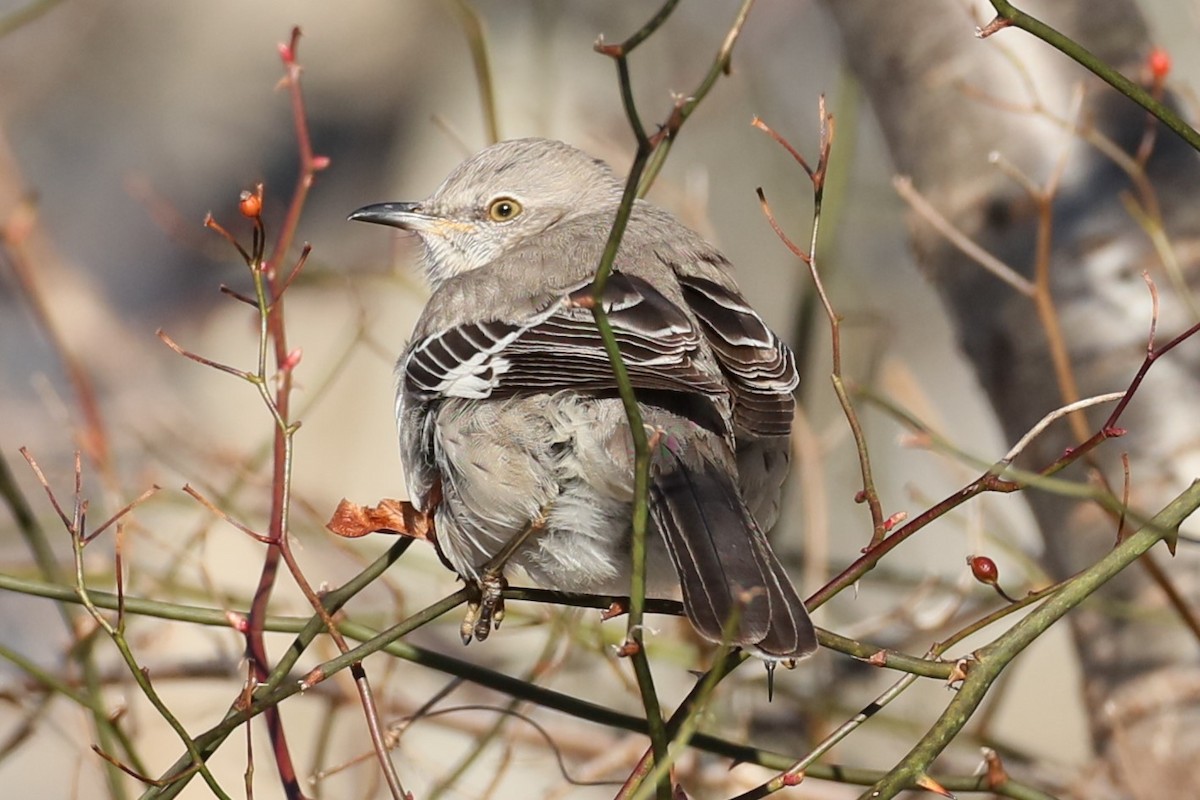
726 566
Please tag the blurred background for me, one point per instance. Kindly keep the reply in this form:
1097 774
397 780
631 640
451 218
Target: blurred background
123 123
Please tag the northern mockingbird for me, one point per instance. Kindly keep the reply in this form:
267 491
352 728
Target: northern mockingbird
511 429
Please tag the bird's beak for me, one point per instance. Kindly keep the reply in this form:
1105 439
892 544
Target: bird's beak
407 216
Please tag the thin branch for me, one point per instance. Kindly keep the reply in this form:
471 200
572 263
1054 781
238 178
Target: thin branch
542 666
278 689
108 732
796 773
224 516
143 497
1047 309
234 371
472 26
965 244
540 730
995 480
76 528
1010 16
641 444
684 106
686 720
306 632
989 661
1054 416
41 477
868 494
269 289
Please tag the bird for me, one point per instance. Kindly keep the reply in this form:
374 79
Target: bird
512 433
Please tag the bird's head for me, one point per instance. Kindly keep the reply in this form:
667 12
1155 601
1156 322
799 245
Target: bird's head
497 200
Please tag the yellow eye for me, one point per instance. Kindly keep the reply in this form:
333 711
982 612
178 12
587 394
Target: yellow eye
502 209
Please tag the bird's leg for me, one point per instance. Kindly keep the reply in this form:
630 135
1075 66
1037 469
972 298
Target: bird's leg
489 611
491 604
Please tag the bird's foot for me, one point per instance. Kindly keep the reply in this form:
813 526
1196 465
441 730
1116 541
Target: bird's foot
491 604
487 612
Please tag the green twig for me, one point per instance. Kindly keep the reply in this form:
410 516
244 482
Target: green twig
648 160
332 602
108 733
685 722
990 660
1016 18
865 651
634 646
472 27
141 676
307 629
686 105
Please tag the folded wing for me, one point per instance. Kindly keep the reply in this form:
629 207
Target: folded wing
560 348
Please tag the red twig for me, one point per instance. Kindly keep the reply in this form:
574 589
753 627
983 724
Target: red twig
146 779
278 544
199 359
277 334
37 471
222 515
143 497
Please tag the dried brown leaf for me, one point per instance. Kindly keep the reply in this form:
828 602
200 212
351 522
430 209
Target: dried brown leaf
389 516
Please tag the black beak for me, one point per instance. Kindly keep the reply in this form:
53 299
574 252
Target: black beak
397 215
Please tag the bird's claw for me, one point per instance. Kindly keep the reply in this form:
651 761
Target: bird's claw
467 629
487 613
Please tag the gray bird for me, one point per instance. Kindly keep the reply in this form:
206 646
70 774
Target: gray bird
511 429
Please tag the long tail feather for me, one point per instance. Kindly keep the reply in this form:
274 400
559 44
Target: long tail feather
726 565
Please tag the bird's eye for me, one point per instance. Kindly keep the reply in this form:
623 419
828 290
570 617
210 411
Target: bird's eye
502 209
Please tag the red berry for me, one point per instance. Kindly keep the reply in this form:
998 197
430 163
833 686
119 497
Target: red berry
984 569
250 205
1159 62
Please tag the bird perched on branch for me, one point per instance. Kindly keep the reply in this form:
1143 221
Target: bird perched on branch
511 428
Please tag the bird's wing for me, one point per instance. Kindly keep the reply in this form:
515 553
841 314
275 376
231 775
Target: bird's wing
759 368
559 348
